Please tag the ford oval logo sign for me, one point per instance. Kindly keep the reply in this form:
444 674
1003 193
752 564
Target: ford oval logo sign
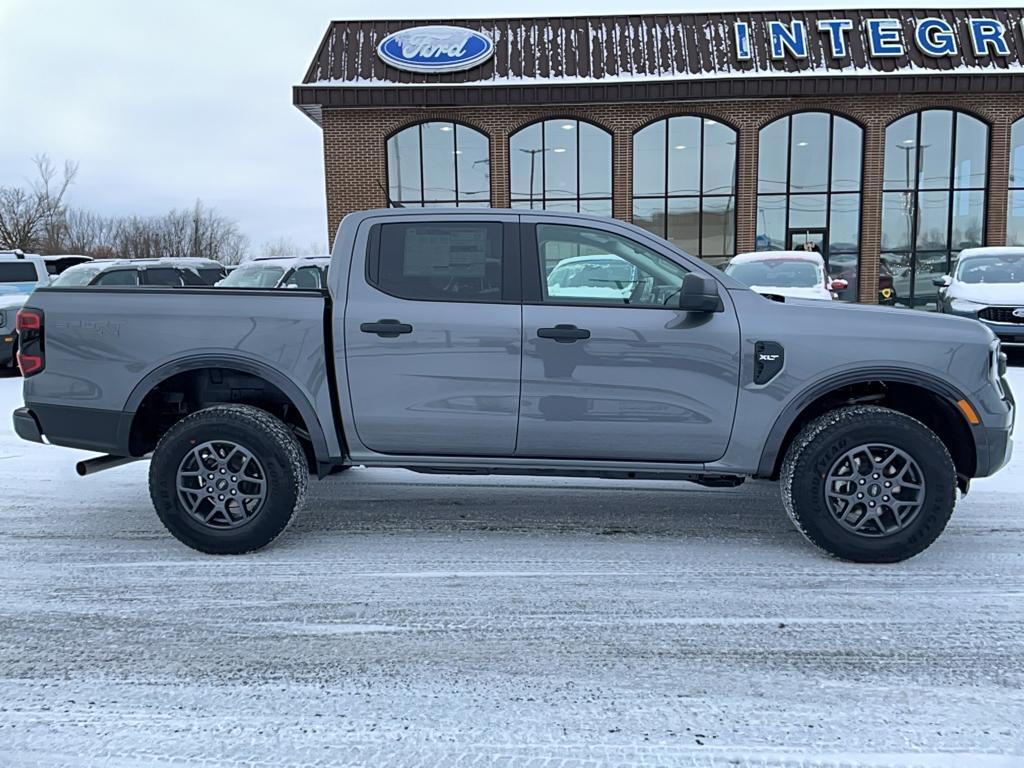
1018 312
435 49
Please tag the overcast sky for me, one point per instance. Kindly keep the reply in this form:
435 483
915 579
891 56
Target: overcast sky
161 103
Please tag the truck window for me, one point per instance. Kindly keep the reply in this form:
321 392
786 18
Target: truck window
306 277
580 265
18 272
209 275
167 276
119 277
439 261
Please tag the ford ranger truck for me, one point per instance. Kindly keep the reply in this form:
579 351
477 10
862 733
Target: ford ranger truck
441 345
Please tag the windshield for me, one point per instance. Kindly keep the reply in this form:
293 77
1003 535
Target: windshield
253 276
76 276
777 273
1004 268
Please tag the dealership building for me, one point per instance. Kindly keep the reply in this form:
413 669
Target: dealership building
890 140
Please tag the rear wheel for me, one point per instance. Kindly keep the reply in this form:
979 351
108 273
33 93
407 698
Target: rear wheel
869 484
227 479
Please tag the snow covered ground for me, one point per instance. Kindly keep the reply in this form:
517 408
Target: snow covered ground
410 620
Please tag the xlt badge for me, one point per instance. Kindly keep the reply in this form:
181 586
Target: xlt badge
769 357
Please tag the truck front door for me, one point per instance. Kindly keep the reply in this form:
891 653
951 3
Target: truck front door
433 330
610 369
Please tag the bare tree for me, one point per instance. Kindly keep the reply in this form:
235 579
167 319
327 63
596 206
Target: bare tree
285 246
32 219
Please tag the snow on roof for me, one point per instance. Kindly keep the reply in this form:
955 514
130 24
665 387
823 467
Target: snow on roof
286 261
746 258
589 50
1004 250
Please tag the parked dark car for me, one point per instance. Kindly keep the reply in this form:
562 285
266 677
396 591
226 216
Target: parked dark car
142 272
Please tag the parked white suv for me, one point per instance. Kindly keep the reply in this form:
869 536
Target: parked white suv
794 274
988 285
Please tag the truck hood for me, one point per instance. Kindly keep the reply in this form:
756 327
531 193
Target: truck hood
890 327
12 300
1000 294
794 293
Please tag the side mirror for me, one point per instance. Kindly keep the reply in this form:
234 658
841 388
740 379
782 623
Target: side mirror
942 282
700 294
839 284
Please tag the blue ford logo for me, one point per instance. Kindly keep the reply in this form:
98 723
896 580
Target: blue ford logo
435 49
1018 312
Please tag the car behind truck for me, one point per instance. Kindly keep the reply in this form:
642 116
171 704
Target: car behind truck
441 345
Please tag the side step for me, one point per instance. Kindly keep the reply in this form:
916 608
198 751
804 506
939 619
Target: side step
710 481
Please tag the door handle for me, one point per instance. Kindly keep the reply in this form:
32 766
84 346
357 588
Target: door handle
386 329
566 334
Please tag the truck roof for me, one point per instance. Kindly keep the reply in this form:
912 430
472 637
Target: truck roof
165 261
288 260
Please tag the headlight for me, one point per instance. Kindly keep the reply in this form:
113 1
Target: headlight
997 362
964 307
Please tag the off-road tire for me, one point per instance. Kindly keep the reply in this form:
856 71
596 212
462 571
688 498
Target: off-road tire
268 439
819 445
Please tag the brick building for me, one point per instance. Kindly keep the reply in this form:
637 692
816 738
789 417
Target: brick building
888 139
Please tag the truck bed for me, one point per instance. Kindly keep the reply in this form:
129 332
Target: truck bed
106 348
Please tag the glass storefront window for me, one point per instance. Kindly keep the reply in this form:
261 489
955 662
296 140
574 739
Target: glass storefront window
561 165
439 164
934 201
684 184
808 182
1015 202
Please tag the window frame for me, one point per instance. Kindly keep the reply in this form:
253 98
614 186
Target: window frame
540 203
534 274
1012 185
915 190
454 202
700 195
511 268
828 193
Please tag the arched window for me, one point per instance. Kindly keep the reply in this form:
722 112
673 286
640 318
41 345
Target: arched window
808 190
439 163
562 165
1015 203
684 184
933 203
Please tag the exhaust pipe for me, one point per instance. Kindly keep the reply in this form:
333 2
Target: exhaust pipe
92 466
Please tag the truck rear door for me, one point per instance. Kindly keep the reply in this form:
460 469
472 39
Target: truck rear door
433 329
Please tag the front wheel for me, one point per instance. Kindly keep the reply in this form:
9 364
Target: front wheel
227 479
869 484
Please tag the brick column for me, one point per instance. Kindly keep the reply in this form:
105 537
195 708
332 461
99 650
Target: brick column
998 182
871 210
746 187
622 175
501 193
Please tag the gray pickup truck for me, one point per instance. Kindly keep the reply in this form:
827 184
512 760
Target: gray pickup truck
444 344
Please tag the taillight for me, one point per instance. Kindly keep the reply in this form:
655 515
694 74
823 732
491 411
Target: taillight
31 359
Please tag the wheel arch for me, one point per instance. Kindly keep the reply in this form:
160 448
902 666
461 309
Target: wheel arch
891 387
195 364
